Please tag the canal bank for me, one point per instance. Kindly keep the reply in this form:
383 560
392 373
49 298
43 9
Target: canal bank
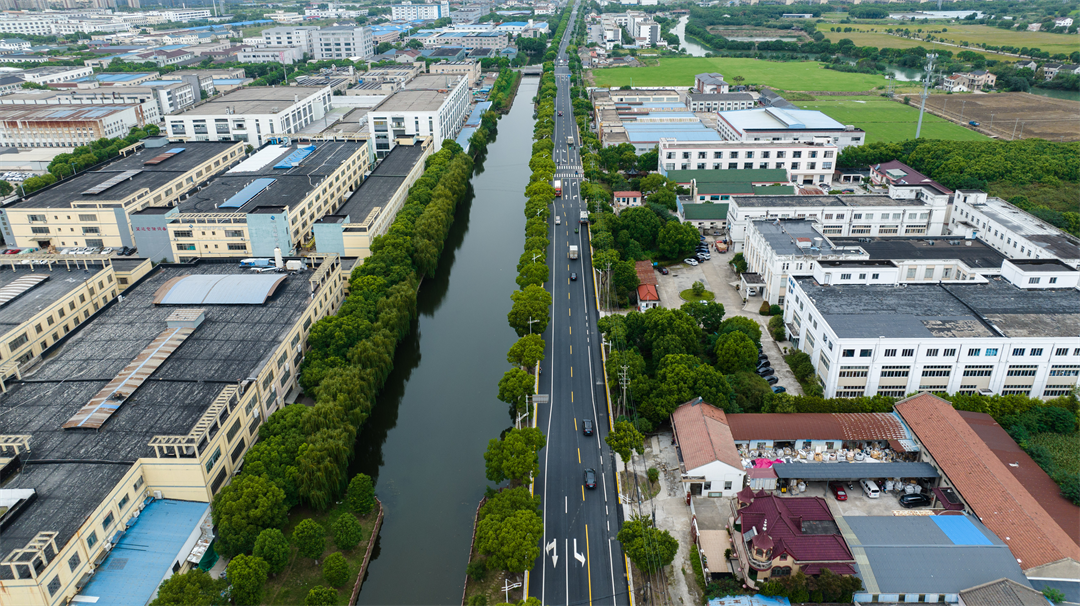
425 439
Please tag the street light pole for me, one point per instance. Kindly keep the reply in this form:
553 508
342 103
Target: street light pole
926 91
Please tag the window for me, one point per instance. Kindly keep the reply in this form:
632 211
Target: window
17 342
978 371
138 484
890 353
107 522
1053 280
1037 351
845 276
187 233
865 353
91 539
931 352
1061 351
911 273
974 352
853 371
1023 370
727 485
936 371
213 459
847 353
232 430
1019 351
950 352
1033 280
929 273
895 371
54 585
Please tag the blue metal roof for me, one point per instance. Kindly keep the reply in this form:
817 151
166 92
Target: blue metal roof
960 530
145 553
292 159
245 195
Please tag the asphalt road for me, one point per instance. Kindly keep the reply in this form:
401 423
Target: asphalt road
581 562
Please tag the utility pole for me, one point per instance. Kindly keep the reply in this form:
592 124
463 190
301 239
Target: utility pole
624 381
926 91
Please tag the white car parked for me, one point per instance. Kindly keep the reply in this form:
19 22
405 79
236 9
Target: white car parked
690 262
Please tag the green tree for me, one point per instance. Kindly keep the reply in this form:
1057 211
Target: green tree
5 188
533 273
509 500
511 543
530 313
321 595
625 439
243 509
707 313
697 288
642 224
361 494
527 351
738 262
248 576
652 183
515 387
776 328
347 531
335 570
310 538
648 547
273 548
193 588
514 457
735 352
744 325
677 240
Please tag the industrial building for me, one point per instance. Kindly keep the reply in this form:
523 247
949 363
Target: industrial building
255 115
427 106
69 126
166 407
269 201
777 124
808 162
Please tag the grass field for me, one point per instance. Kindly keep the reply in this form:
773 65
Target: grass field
1062 449
957 34
885 120
796 76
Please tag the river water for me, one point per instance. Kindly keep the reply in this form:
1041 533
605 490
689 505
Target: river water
424 442
692 48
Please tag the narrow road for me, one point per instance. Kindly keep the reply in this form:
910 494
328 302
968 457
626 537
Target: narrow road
581 562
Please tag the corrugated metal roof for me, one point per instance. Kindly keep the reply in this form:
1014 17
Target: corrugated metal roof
854 471
218 290
817 426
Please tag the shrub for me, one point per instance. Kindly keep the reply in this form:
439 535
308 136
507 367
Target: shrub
273 548
321 595
361 494
654 474
335 570
477 600
643 425
764 309
776 328
310 538
477 570
776 310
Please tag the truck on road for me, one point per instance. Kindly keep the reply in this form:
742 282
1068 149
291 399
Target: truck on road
570 141
557 184
573 251
584 217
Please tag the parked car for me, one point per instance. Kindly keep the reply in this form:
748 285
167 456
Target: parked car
779 389
663 270
915 500
973 123
106 251
762 356
130 251
763 364
11 251
764 371
590 478
771 380
573 276
692 262
838 491
586 427
847 190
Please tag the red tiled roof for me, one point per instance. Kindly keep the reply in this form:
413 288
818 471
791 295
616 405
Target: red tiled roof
816 426
645 272
703 435
813 569
781 519
913 176
1026 471
647 292
627 194
1000 501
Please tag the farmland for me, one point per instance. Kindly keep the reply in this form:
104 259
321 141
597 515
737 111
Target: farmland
1030 115
794 76
874 35
888 121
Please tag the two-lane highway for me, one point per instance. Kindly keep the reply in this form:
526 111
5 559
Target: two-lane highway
581 562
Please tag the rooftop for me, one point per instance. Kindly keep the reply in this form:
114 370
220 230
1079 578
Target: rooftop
117 77
382 183
232 344
802 527
1041 233
928 554
821 201
775 118
694 96
817 426
64 113
289 186
1003 592
254 100
785 235
996 308
974 253
708 211
986 485
70 192
423 93
898 173
746 175
31 290
704 436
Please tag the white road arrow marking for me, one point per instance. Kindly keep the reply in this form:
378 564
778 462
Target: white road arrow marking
578 556
555 556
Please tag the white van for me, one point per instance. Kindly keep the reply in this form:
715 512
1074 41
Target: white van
558 220
870 489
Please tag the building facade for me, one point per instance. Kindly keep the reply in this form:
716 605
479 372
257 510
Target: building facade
254 114
779 124
419 12
428 106
808 162
70 126
343 42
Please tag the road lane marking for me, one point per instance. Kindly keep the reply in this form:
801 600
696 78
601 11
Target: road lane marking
578 453
575 423
571 372
571 397
566 505
588 561
571 332
583 499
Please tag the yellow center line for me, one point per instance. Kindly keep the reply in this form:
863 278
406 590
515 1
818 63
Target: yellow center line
568 311
583 495
571 330
588 561
571 397
571 350
571 372
578 454
575 423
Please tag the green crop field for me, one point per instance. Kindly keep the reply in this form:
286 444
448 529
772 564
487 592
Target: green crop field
957 34
885 120
796 76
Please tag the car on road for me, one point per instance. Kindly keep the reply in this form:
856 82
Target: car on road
560 113
771 380
916 499
663 270
764 371
586 427
573 276
590 478
973 123
838 491
779 389
692 262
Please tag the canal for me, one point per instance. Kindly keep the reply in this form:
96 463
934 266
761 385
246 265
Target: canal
424 442
692 48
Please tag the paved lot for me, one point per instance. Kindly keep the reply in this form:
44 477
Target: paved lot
857 504
719 278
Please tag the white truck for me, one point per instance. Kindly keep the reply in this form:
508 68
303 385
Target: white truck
573 252
584 217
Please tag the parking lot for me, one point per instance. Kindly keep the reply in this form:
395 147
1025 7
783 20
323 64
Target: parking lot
720 279
857 503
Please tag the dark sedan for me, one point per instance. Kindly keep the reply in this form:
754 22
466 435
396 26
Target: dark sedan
765 371
590 478
915 500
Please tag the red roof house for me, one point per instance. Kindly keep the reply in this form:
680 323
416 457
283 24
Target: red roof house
783 535
708 455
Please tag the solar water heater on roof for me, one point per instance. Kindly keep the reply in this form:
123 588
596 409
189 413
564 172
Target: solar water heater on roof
296 157
245 195
19 286
112 181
